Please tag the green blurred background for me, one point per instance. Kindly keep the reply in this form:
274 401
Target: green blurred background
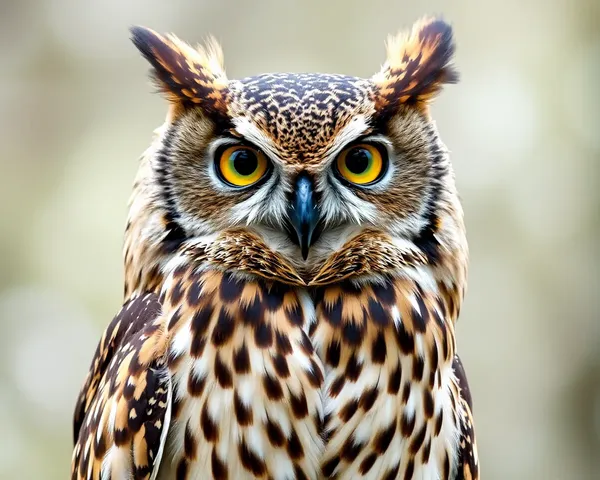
76 111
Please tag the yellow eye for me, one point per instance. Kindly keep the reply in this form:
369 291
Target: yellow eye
242 166
360 164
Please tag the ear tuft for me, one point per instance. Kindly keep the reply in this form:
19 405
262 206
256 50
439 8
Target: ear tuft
187 76
418 64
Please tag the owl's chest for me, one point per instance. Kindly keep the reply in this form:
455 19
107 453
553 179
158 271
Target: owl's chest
269 383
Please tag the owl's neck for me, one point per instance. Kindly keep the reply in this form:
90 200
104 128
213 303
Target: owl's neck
368 257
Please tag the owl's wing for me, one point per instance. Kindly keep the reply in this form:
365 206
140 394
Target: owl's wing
122 413
468 460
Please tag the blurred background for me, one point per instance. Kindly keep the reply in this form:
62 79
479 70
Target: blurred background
76 111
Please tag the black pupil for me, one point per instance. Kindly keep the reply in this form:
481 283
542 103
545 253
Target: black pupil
245 162
357 160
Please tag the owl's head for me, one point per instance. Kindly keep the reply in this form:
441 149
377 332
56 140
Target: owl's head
312 176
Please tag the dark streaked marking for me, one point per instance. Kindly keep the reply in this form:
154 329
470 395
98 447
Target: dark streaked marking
294 447
392 473
250 460
242 412
353 333
223 373
224 328
367 398
336 386
407 425
330 466
438 423
190 443
230 289
418 366
182 470
353 368
378 314
312 328
333 312
367 463
351 449
406 393
275 433
332 356
241 359
300 475
410 469
294 315
385 293
314 374
379 350
417 441
252 314
384 438
197 346
427 403
395 379
174 320
283 343
176 293
446 466
348 411
299 405
406 342
193 293
201 319
306 344
273 296
209 427
272 388
263 335
431 380
420 318
122 436
100 447
434 356
426 451
218 466
281 366
196 384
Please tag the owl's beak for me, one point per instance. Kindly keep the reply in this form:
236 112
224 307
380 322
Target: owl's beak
303 213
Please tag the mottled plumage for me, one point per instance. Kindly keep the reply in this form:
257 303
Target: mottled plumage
295 263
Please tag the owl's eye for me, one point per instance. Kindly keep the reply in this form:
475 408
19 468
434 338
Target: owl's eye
360 164
241 166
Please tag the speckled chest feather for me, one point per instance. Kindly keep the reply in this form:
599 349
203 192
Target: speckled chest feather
276 381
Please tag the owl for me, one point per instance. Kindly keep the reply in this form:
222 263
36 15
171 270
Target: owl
295 262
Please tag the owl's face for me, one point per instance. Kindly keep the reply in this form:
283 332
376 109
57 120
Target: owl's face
305 162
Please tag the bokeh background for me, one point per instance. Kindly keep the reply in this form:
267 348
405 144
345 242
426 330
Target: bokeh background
76 111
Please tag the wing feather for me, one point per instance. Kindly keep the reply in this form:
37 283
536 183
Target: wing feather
122 413
468 460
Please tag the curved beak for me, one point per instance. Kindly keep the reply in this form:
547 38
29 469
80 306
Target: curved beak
303 213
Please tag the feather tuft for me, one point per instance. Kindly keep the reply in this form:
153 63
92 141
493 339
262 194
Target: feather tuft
418 63
187 76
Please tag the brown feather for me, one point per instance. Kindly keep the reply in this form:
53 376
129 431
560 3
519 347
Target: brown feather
418 64
187 76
